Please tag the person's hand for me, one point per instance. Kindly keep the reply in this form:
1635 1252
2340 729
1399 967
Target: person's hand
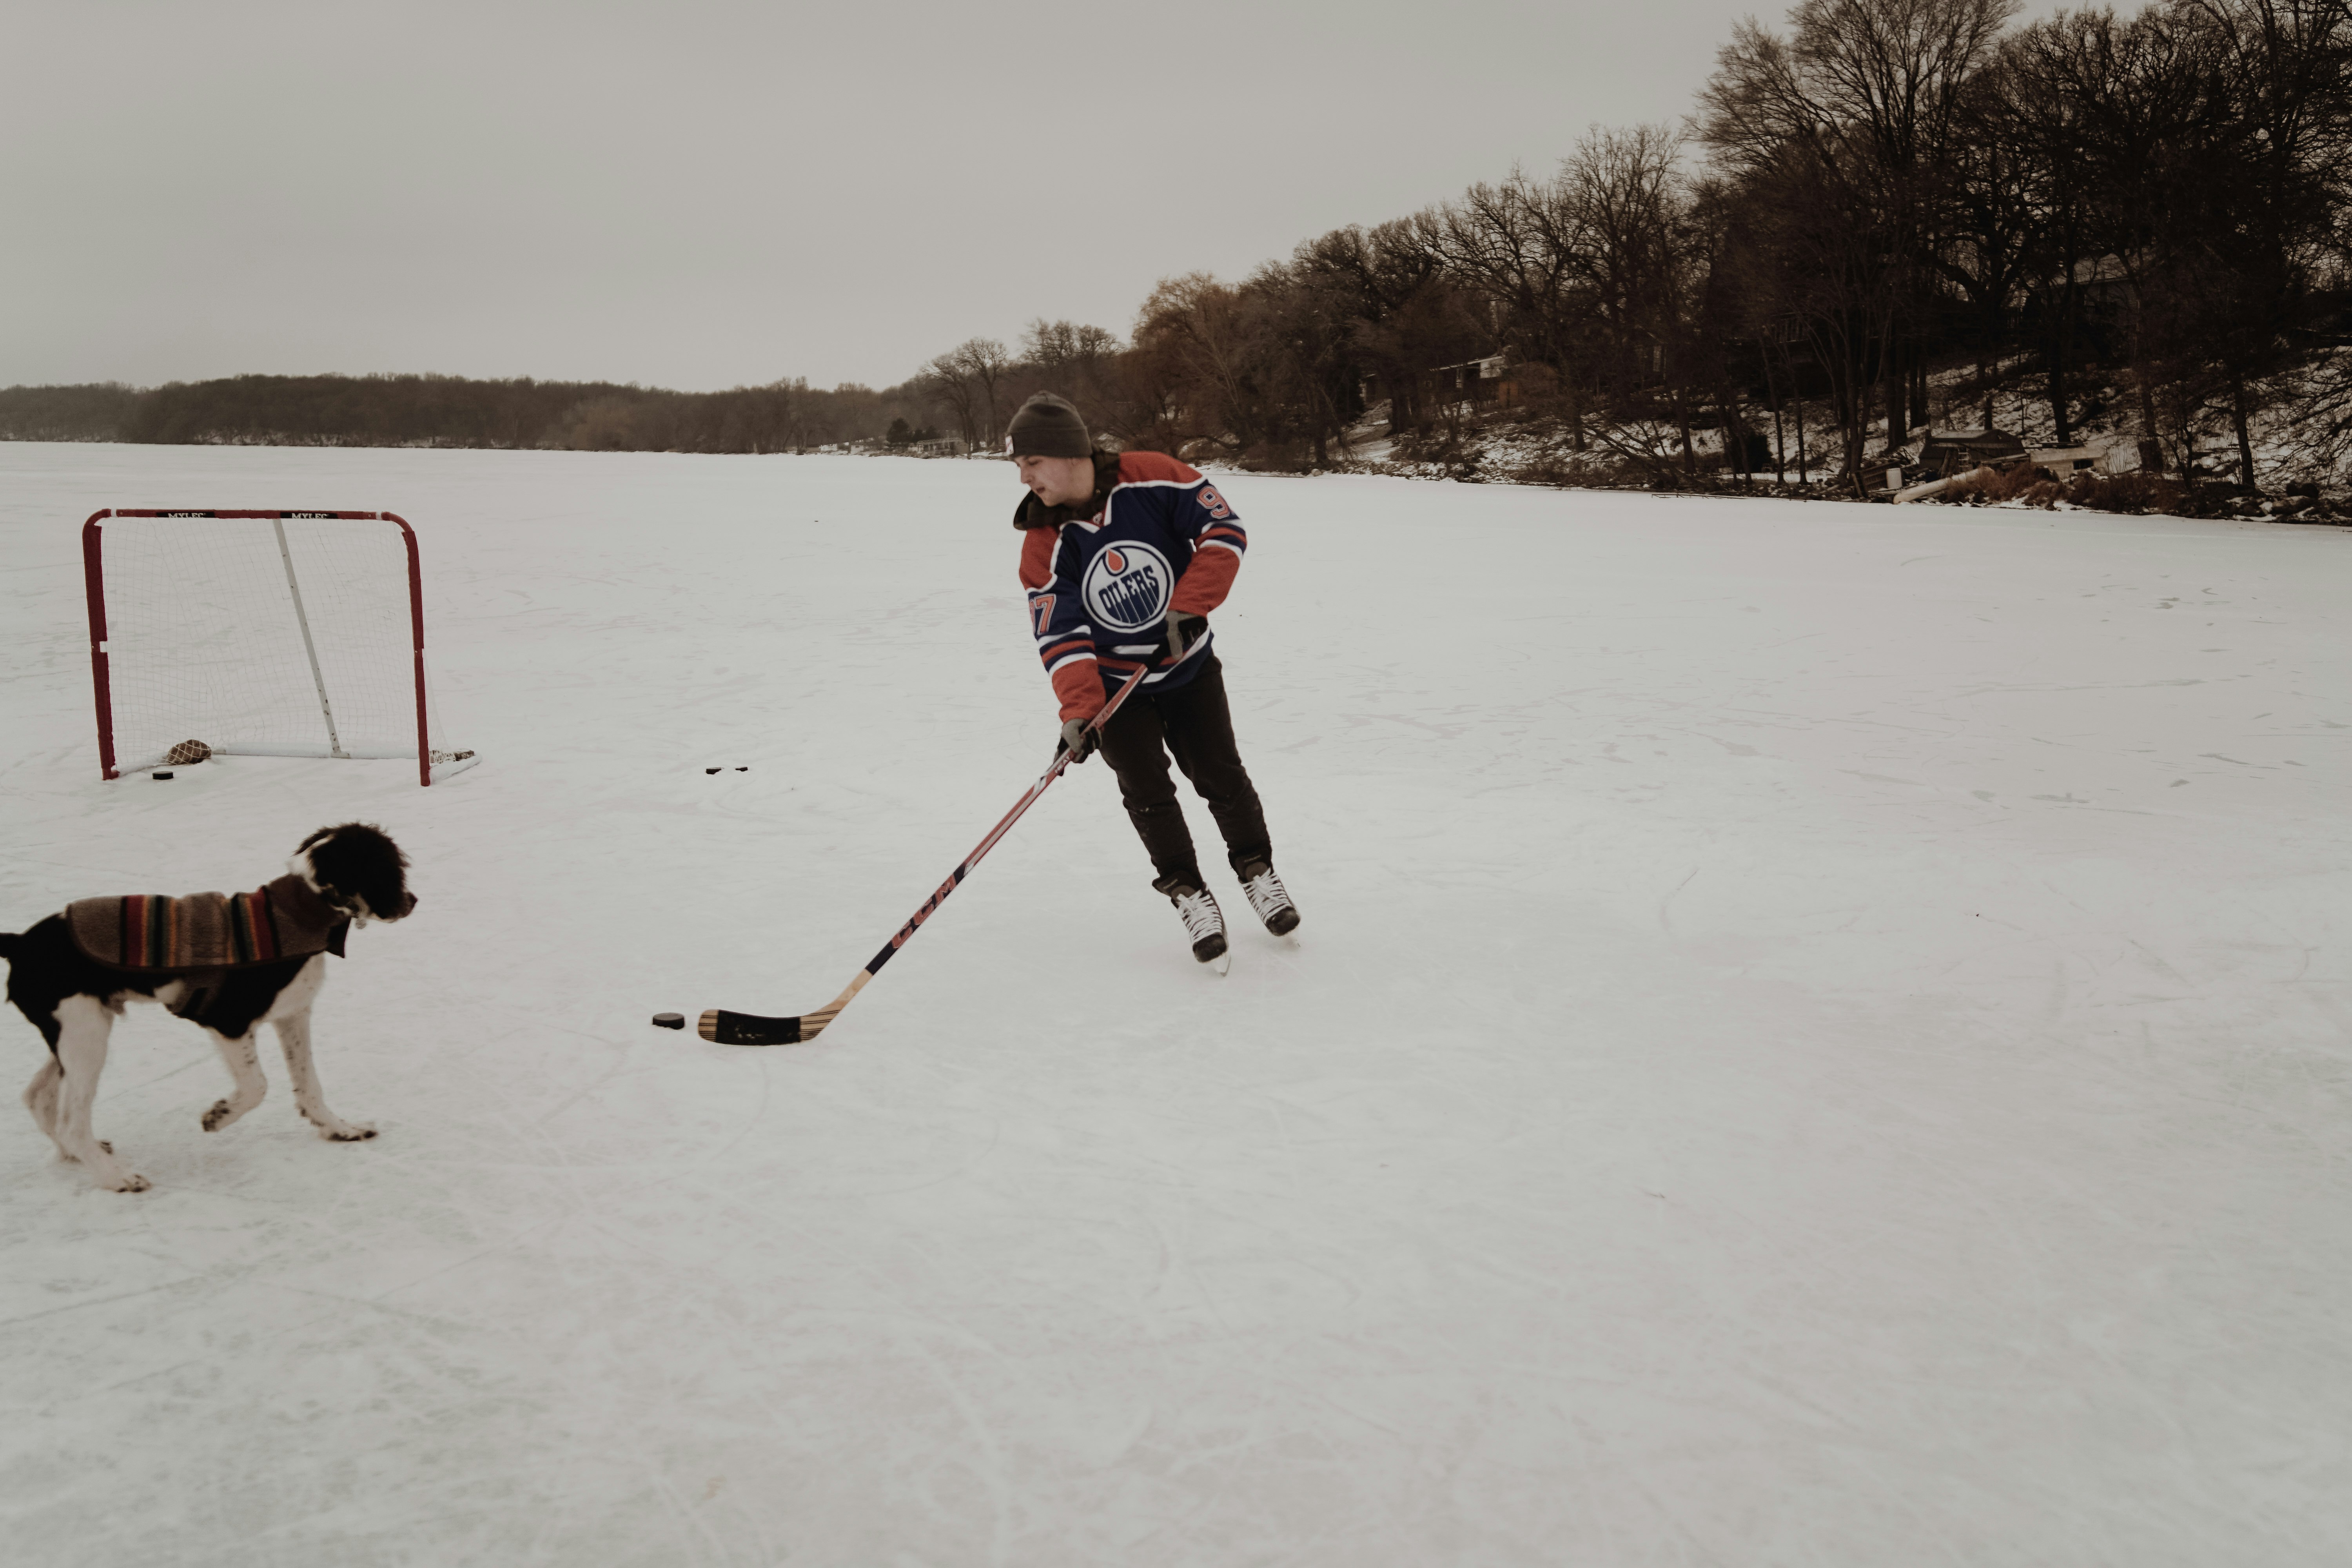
1184 630
1078 737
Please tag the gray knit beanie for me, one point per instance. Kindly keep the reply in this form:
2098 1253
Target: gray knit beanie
1047 427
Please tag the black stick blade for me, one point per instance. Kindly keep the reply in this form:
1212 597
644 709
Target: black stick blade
722 1028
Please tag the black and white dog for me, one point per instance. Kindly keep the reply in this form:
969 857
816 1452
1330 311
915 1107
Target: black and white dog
228 964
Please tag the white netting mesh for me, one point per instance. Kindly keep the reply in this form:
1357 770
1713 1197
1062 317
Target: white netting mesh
204 642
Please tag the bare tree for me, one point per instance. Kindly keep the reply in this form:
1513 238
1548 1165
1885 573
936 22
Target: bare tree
983 362
1076 361
1200 329
1062 346
1410 311
1523 245
1866 97
944 379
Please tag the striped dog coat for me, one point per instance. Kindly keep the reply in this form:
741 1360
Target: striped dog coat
151 932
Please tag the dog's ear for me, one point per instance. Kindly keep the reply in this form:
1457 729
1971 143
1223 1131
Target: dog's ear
360 869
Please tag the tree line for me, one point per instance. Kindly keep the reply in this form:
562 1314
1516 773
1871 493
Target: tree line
1882 203
453 411
2149 204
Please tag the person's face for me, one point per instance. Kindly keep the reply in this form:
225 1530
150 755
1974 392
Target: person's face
1058 481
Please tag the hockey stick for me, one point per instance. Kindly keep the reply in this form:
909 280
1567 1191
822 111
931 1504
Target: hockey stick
725 1028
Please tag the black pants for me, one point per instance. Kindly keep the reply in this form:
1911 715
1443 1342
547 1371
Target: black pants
1196 726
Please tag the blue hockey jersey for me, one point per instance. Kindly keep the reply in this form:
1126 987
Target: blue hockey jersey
1100 588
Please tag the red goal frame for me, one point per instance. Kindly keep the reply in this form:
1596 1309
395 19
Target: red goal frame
93 569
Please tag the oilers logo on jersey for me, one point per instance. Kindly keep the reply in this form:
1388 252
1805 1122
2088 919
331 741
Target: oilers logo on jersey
1127 586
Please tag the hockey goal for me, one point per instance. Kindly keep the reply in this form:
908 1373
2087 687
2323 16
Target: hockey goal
258 634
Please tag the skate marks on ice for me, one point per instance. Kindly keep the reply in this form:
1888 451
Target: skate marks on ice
1927 1173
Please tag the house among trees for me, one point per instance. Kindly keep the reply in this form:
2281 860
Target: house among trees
1493 379
2103 286
1948 452
1488 379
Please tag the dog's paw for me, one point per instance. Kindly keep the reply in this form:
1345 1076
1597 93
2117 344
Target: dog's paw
219 1116
348 1133
129 1182
105 1145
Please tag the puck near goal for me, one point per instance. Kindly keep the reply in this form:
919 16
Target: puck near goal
259 634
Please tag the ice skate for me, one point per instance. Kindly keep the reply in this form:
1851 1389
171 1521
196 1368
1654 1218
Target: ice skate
1203 921
1268 898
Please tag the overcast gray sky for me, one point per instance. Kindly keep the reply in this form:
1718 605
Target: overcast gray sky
704 193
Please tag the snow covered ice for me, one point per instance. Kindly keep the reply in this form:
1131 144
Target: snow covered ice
1819 1035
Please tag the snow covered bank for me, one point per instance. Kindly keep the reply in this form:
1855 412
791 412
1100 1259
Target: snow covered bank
1819 1035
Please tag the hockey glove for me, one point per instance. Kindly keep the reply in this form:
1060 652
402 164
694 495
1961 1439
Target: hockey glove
1077 738
1184 630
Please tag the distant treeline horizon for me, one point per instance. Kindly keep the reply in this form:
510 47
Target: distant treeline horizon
405 410
1866 222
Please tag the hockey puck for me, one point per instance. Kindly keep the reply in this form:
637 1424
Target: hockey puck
164 774
669 1020
711 770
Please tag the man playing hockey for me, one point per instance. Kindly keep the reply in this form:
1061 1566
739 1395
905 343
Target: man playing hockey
1124 555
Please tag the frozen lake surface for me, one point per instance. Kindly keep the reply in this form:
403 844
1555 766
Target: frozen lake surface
1820 1036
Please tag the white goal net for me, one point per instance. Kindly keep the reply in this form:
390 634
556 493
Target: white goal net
259 634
